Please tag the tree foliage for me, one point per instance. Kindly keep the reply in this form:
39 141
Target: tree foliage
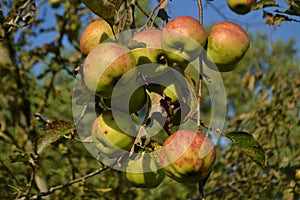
42 155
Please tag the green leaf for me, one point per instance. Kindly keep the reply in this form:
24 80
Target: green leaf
294 9
249 146
264 3
55 130
19 157
103 8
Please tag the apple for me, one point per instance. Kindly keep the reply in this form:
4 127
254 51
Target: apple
187 156
181 93
240 6
297 174
143 171
137 100
183 39
227 45
105 65
55 3
109 138
149 46
149 50
95 33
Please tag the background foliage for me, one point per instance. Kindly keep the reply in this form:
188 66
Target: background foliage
45 155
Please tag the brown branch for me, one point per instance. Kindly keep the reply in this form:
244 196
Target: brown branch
199 95
58 187
217 189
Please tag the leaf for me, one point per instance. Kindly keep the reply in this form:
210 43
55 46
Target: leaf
162 13
251 83
294 9
103 8
5 138
19 157
55 130
264 3
249 146
275 19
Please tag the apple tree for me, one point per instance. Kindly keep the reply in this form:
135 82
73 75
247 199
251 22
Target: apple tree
112 99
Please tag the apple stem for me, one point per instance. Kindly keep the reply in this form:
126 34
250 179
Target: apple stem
201 190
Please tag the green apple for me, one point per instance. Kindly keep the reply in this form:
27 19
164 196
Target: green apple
227 45
149 46
109 138
55 3
297 174
183 38
148 50
143 171
240 6
187 156
105 65
95 33
137 100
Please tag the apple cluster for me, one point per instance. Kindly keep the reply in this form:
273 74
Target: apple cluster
149 68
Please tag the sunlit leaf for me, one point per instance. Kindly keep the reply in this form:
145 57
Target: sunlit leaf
249 146
251 83
294 8
264 3
103 8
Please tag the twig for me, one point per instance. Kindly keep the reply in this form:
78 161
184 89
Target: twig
200 9
58 187
145 13
199 95
21 8
216 190
152 11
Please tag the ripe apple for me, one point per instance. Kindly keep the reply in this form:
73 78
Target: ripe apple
95 33
187 156
227 45
240 6
137 100
105 65
183 39
143 171
109 138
